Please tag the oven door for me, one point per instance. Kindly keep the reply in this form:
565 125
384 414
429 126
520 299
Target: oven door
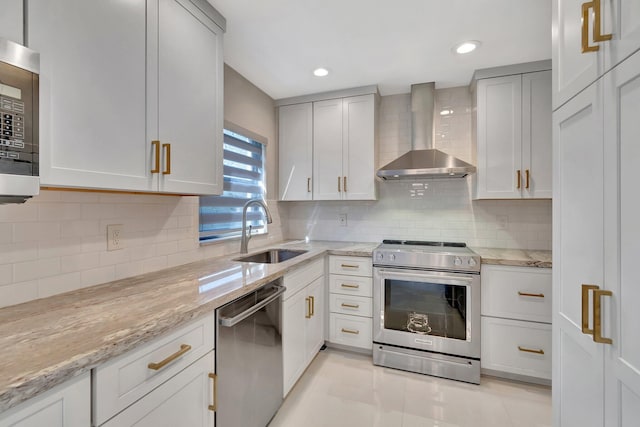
427 310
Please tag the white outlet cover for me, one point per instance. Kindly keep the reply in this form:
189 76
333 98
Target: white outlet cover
115 237
342 218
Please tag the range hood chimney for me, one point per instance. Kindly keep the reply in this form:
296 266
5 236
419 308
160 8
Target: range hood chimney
423 161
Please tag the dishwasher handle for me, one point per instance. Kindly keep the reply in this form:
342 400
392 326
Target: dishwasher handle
232 321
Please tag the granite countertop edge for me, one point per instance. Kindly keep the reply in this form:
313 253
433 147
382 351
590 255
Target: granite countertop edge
514 257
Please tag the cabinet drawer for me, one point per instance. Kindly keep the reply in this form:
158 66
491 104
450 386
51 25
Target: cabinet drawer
122 381
351 285
301 277
519 293
350 330
349 265
516 347
350 304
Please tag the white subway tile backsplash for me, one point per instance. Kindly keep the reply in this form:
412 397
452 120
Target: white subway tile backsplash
95 276
6 274
16 293
30 270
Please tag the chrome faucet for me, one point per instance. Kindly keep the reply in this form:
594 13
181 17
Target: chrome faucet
244 242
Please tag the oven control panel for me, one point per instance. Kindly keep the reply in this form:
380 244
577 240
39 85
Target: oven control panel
443 260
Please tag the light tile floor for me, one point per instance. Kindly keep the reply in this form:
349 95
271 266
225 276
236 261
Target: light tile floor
345 389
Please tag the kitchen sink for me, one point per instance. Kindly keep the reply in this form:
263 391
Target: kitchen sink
272 256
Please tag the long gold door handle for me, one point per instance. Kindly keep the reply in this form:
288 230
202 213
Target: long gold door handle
214 377
350 331
308 185
597 31
344 184
530 350
167 163
585 28
308 301
159 365
345 285
313 305
518 179
339 185
527 294
526 178
597 317
585 308
156 150
344 304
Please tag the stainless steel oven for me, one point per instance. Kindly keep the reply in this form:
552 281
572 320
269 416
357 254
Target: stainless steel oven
427 309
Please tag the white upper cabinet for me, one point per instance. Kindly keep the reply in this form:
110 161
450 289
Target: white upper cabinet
328 146
11 20
296 151
579 56
117 76
513 136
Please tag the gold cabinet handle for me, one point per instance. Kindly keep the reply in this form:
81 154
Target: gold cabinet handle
348 266
339 184
167 150
527 294
313 305
344 304
159 365
597 317
527 178
585 308
530 350
308 185
585 29
214 377
350 331
597 32
345 285
156 150
518 179
344 184
308 315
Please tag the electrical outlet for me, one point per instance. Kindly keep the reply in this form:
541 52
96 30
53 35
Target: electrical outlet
115 238
342 218
503 222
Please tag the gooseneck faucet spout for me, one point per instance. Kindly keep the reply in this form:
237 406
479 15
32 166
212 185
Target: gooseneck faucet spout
244 242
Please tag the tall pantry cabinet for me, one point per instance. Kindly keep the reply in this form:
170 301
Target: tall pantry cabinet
596 367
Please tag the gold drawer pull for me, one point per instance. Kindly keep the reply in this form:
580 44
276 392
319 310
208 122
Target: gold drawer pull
585 308
308 315
350 331
527 294
530 350
349 266
527 175
597 317
344 184
167 149
344 304
313 305
156 154
585 29
519 179
308 185
156 366
345 285
339 185
214 377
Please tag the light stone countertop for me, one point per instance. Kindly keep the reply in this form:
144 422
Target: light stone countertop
45 342
514 257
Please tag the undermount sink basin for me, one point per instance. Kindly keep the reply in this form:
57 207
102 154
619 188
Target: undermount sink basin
272 256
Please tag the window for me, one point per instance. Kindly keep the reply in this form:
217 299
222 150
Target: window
221 216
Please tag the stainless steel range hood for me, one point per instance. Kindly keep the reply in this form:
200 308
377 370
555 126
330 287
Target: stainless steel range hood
424 161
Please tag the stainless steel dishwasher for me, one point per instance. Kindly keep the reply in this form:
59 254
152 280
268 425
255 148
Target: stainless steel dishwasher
249 359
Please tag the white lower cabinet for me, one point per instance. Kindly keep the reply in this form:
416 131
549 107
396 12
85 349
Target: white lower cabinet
516 322
66 405
302 321
350 301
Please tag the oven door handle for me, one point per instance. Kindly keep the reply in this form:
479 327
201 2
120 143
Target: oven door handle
445 280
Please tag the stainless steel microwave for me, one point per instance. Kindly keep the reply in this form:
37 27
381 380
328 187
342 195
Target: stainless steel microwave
19 147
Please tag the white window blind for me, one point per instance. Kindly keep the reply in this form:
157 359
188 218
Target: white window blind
221 216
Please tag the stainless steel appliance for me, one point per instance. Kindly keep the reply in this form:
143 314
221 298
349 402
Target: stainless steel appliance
249 359
426 304
19 88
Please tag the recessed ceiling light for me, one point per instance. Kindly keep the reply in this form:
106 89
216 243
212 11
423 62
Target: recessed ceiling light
466 47
320 72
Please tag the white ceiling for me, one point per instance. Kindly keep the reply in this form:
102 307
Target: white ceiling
276 44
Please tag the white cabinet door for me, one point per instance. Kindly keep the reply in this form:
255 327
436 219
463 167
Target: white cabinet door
327 150
11 20
536 135
190 110
358 152
572 69
621 317
499 137
621 19
295 312
314 339
182 401
578 257
92 93
295 144
67 405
